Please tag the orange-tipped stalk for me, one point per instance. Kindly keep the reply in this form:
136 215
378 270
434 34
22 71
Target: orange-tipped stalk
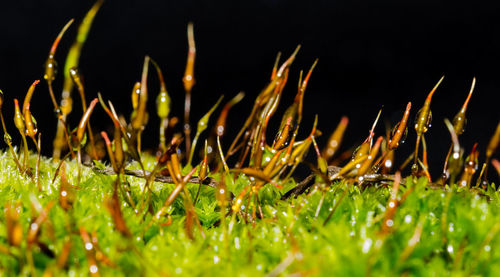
75 76
80 131
72 60
140 115
51 65
422 123
492 149
261 101
453 162
335 139
496 165
392 204
366 165
189 82
220 126
400 131
459 121
202 171
6 136
163 104
470 167
21 127
202 126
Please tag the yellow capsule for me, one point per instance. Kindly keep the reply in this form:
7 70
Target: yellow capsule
18 117
1 98
163 104
136 91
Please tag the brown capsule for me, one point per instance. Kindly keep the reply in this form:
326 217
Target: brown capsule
366 165
14 229
111 155
221 121
424 115
459 121
400 129
496 165
90 252
50 64
335 139
283 136
114 208
173 195
141 114
188 78
392 204
1 99
34 229
269 169
300 96
203 171
322 163
471 165
66 193
494 143
85 118
18 117
75 76
31 129
29 95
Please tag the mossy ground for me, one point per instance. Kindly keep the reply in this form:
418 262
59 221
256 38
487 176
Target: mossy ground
459 237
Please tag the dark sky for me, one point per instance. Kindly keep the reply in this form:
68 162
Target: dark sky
371 54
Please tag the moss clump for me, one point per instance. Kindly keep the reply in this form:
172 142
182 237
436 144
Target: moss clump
439 231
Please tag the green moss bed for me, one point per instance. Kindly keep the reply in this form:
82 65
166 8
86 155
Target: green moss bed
435 231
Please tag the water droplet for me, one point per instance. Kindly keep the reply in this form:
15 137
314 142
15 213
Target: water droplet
366 245
408 218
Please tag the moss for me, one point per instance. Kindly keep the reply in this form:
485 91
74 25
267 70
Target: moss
288 239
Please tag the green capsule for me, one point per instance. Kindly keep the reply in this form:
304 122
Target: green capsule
7 138
202 126
163 104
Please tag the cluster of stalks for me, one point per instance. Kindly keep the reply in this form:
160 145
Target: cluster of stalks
266 161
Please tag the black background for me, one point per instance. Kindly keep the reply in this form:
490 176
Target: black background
371 54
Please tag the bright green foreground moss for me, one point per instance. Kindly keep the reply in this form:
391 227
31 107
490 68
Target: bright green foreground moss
284 241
